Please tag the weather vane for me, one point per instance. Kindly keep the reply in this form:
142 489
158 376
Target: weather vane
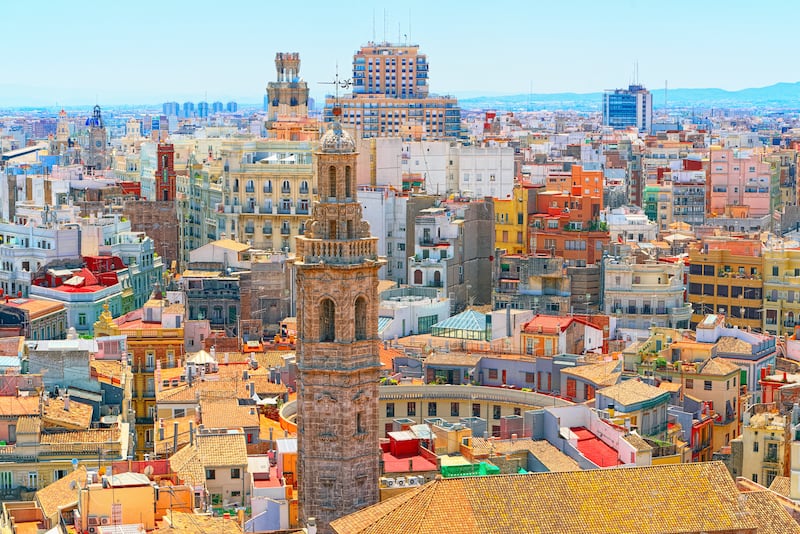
337 83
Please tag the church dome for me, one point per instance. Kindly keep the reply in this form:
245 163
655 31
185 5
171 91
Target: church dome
337 141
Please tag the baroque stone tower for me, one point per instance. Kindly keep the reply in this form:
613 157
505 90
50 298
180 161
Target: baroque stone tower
337 353
288 96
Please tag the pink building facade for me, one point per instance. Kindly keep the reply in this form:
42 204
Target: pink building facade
738 178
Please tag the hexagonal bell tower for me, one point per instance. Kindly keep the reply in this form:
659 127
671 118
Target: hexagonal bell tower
337 352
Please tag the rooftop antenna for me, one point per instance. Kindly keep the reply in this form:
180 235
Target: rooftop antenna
384 25
373 24
337 83
409 23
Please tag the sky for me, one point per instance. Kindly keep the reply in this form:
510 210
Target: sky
110 52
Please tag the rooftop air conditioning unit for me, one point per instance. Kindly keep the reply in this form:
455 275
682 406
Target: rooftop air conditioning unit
413 481
386 482
401 482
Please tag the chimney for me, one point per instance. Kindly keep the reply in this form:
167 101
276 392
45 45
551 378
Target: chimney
175 438
66 402
311 526
610 411
191 433
245 375
251 388
161 430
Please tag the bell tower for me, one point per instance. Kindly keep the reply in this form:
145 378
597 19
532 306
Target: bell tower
337 353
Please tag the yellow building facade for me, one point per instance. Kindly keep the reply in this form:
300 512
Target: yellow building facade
511 221
725 277
153 338
781 290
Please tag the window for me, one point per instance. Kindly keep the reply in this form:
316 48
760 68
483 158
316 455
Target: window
476 409
530 378
327 320
360 428
6 480
211 474
389 409
82 319
492 374
755 446
454 408
707 385
411 408
178 412
236 473
33 480
361 318
689 383
496 411
431 409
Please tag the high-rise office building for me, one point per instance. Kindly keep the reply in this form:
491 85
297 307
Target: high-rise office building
391 97
624 108
231 107
217 107
188 109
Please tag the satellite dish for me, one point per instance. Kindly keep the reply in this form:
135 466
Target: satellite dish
148 470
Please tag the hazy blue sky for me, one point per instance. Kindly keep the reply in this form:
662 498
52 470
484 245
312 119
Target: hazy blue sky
147 51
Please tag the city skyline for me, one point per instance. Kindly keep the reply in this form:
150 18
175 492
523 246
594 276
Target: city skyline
107 53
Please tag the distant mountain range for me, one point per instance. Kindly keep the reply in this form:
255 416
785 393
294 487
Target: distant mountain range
780 96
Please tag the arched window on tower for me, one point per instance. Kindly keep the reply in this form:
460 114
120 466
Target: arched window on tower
327 320
332 181
347 182
361 318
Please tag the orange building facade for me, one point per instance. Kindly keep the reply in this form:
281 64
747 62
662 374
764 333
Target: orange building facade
566 222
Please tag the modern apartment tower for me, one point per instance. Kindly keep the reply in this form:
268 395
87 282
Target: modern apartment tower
390 96
337 353
624 108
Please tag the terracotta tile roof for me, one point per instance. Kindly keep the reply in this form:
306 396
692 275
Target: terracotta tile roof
186 463
780 485
165 446
387 356
732 345
719 367
550 324
461 359
29 425
79 416
771 516
59 493
220 450
637 442
19 406
601 374
630 392
81 440
227 413
574 502
552 458
106 368
670 386
181 522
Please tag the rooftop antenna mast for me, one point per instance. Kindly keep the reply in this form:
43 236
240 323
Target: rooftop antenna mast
337 83
373 24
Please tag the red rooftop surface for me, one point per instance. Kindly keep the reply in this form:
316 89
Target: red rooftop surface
274 480
595 450
407 464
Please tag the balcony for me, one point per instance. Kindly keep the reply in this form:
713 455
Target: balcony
286 231
771 458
